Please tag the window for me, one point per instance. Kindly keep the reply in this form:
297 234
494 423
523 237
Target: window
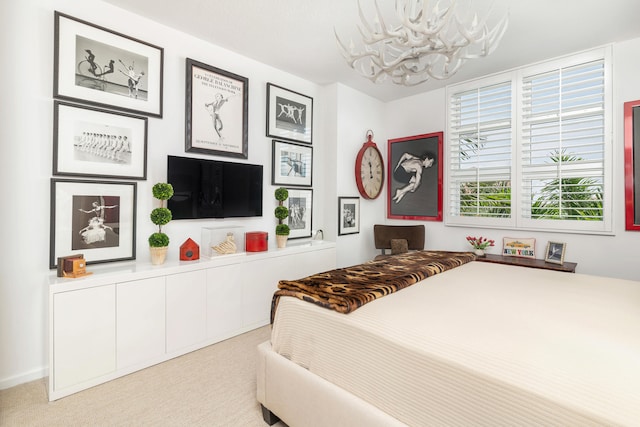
531 149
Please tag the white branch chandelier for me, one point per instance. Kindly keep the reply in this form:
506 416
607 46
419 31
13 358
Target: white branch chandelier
429 42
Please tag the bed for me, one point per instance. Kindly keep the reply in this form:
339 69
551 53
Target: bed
476 344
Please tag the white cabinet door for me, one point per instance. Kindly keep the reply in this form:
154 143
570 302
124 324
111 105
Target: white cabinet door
260 281
140 321
186 309
84 333
308 263
224 301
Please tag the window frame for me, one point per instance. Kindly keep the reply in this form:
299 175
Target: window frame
517 221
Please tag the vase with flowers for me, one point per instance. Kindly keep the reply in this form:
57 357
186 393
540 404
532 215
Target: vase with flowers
480 244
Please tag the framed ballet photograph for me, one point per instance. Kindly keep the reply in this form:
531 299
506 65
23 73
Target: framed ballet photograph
300 205
414 178
101 67
289 115
348 215
216 111
94 218
555 252
92 142
291 164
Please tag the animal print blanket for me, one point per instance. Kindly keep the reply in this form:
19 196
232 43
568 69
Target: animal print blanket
346 289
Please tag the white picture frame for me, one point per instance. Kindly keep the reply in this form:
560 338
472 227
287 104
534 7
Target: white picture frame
555 252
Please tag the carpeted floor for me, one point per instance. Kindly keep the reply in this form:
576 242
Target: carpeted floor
214 386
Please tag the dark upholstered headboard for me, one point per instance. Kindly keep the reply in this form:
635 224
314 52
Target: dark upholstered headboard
414 234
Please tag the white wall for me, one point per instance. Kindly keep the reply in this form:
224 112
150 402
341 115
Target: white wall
356 113
26 124
613 256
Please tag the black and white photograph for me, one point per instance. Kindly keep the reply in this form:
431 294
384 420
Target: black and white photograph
348 215
289 114
94 142
300 205
95 221
414 187
216 111
93 218
291 164
101 67
555 252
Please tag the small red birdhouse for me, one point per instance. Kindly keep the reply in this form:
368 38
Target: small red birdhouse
189 251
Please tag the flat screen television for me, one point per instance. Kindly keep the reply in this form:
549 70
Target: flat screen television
213 189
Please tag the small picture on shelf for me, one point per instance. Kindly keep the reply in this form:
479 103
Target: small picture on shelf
555 252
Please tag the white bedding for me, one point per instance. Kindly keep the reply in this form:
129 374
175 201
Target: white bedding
482 344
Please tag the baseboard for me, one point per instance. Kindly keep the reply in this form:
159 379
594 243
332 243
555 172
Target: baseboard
36 374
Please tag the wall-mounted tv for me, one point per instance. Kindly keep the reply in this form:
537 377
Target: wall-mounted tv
213 189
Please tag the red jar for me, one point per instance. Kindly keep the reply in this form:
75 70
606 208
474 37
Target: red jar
256 241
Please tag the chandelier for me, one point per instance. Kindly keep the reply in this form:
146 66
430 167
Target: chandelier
430 42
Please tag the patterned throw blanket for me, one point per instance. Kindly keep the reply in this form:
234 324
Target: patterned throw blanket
346 289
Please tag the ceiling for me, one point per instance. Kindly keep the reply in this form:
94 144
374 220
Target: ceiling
297 36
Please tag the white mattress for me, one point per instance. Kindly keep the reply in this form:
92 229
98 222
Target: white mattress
482 344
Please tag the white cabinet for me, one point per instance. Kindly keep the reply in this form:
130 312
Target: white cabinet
125 317
84 335
186 309
224 301
258 285
140 314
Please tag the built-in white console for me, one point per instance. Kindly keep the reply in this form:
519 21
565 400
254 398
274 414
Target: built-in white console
128 316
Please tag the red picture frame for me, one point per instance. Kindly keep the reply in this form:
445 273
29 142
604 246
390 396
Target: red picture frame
631 163
414 177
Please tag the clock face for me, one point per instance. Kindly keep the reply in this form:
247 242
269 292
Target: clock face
371 173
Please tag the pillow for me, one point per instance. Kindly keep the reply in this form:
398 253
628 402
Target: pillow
399 246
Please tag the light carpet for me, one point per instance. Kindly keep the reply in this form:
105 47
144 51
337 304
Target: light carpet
214 386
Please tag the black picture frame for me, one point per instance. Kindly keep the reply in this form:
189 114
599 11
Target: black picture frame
104 68
289 115
409 195
216 111
291 164
300 205
94 218
93 142
348 215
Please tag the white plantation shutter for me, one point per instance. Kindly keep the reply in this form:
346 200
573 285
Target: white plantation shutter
479 148
563 141
531 149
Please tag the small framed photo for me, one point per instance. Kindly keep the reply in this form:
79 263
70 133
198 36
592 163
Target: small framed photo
414 189
555 252
300 205
94 218
216 111
92 142
349 215
97 66
519 247
291 164
289 114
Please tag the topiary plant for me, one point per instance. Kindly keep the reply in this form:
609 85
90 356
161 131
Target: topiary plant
281 212
282 230
160 216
